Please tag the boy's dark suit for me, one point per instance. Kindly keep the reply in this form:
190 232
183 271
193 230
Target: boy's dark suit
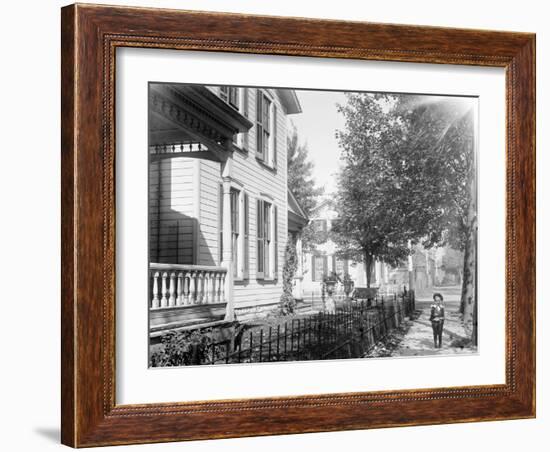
437 317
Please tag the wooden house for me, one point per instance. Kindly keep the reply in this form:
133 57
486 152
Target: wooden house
218 202
325 259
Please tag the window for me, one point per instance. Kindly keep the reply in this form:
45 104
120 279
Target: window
318 267
230 95
340 266
240 231
320 225
234 97
264 127
267 240
238 99
224 93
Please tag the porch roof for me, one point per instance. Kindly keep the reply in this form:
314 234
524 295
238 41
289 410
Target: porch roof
187 115
297 218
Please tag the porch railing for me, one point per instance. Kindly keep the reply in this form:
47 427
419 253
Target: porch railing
174 285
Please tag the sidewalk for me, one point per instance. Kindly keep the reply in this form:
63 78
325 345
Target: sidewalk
419 338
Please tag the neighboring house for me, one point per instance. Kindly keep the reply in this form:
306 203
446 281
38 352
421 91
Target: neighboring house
220 212
426 267
324 261
438 266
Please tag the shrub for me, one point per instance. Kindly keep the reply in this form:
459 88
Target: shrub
182 348
288 303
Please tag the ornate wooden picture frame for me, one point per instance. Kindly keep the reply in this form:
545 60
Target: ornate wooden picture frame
90 37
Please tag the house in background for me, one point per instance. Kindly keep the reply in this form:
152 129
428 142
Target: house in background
220 212
425 269
323 260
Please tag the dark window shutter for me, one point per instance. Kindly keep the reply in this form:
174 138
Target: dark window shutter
313 276
259 125
246 251
325 266
274 136
260 239
220 224
276 245
245 113
266 218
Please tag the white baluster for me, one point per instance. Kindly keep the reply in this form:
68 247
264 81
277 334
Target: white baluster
200 287
206 292
192 284
219 288
172 290
179 293
213 286
222 288
163 299
156 301
186 288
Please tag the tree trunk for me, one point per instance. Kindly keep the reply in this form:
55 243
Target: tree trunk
468 301
368 268
464 275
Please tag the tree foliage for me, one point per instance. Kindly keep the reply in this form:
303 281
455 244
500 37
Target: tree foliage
407 166
302 184
300 173
441 161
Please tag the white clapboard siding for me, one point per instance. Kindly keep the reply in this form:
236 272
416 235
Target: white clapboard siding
210 179
172 219
257 179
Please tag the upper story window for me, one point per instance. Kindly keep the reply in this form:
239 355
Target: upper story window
266 129
320 225
230 94
263 125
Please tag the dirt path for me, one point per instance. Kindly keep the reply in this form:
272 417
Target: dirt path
419 338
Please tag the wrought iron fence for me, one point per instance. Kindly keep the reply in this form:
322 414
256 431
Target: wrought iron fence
350 332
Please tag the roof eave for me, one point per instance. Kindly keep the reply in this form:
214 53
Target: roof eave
290 101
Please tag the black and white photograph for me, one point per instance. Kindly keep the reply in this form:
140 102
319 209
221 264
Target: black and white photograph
298 225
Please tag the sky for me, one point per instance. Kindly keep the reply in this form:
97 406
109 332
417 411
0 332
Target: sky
318 123
316 126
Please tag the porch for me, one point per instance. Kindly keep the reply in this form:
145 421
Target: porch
184 295
217 231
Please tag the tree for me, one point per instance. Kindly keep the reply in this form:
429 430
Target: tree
407 174
302 184
375 221
300 174
442 133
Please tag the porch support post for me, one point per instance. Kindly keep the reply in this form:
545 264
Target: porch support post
299 268
227 255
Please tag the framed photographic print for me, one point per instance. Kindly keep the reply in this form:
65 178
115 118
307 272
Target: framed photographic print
281 225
